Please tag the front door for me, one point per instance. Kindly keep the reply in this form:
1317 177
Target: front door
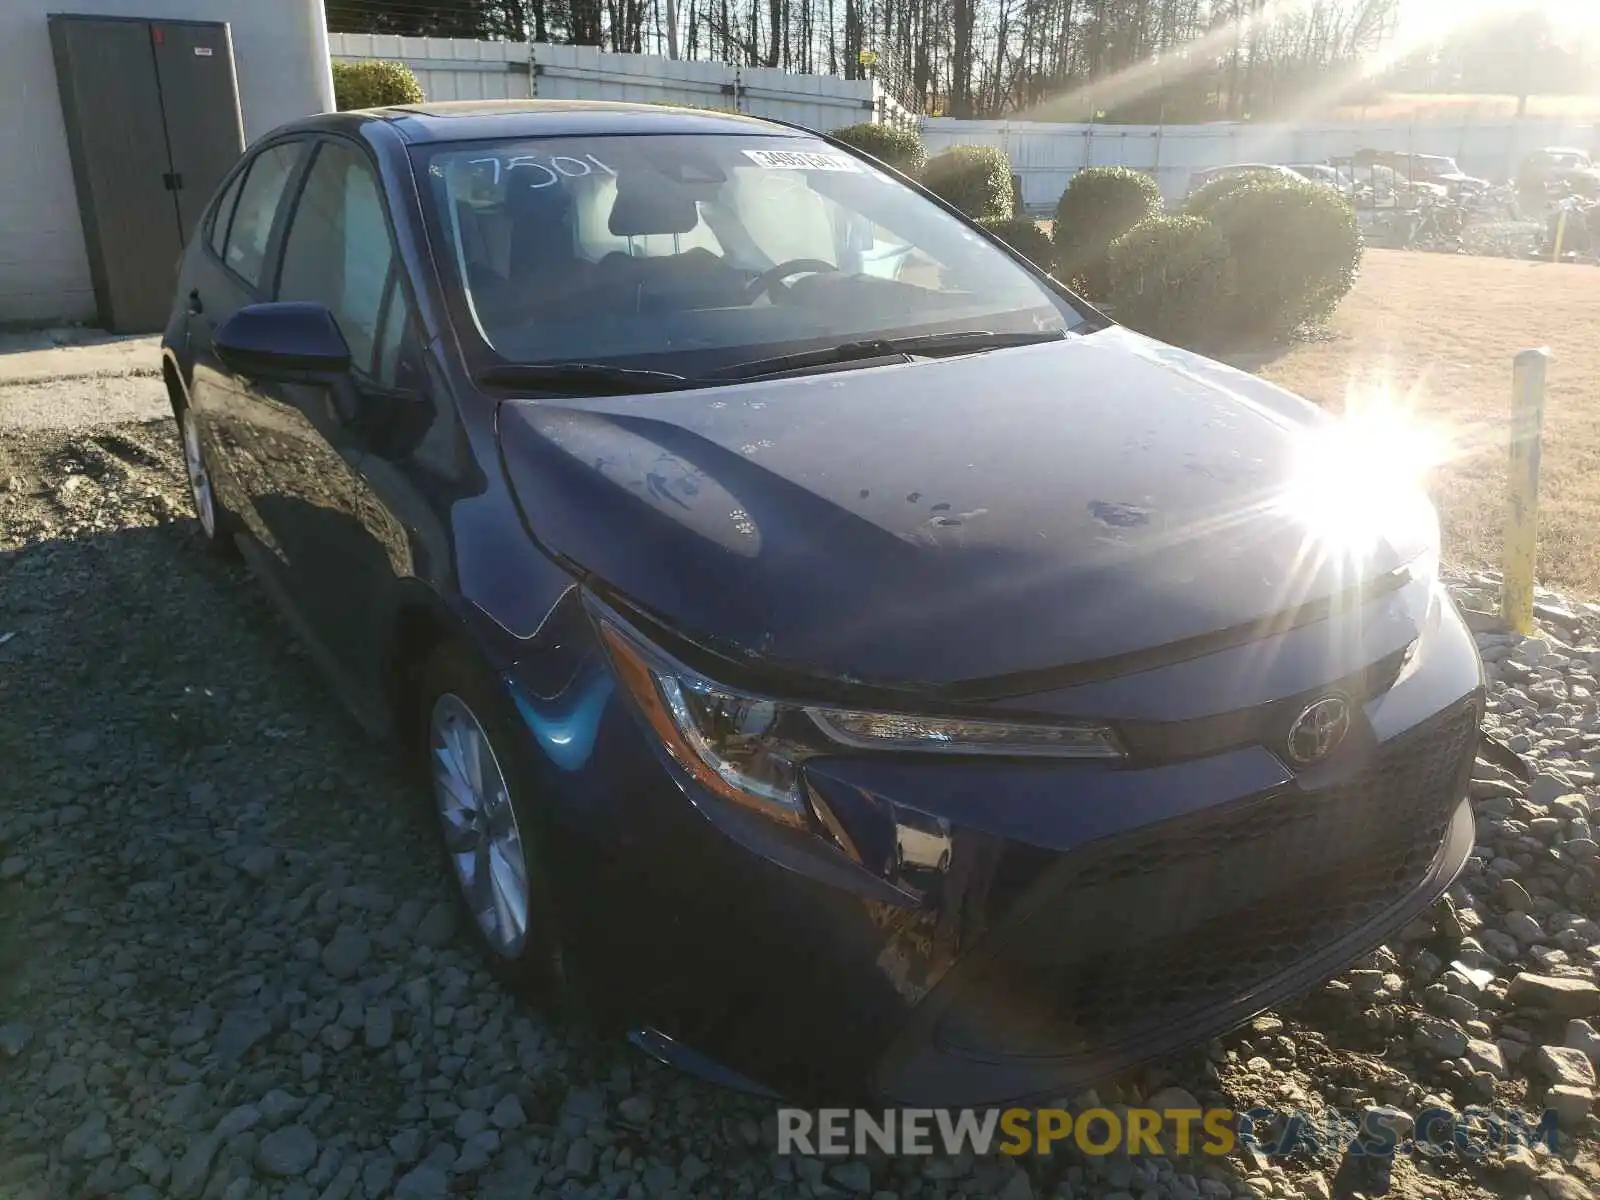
314 501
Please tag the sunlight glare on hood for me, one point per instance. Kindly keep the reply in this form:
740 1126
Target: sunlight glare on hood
1360 477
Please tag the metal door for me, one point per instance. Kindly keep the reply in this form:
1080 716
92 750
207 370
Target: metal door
200 96
153 125
117 138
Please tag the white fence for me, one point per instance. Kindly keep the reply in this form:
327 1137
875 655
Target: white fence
463 69
1046 156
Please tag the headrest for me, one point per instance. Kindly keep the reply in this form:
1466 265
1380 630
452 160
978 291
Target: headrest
638 212
525 199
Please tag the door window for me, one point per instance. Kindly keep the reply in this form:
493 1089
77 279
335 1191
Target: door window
338 250
259 196
397 345
224 214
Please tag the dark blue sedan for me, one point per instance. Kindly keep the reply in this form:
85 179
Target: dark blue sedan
839 655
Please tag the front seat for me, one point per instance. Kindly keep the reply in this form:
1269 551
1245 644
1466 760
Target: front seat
695 278
544 273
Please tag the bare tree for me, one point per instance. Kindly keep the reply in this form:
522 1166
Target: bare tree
1062 59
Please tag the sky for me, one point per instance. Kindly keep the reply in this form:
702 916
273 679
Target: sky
1422 17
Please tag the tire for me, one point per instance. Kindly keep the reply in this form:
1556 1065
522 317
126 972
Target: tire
462 702
215 523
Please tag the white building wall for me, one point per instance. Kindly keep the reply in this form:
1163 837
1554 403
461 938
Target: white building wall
281 54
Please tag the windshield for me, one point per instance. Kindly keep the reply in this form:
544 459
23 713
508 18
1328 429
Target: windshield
686 253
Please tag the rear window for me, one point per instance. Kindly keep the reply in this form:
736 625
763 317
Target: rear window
245 249
224 214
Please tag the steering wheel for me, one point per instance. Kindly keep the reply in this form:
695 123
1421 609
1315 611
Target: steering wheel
772 280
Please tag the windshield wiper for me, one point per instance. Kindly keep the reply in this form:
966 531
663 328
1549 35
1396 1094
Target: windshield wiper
581 378
962 342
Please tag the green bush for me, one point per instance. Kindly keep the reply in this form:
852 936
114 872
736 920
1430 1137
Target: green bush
976 179
1204 198
1296 252
1172 278
1099 206
1024 236
373 84
901 149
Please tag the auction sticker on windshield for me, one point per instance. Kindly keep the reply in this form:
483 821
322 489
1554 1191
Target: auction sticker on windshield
802 160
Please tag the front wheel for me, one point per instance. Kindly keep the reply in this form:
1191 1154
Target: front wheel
493 832
216 530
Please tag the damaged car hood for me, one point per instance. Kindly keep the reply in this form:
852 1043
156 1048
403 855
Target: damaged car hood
948 520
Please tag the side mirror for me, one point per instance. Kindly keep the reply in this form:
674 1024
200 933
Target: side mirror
291 341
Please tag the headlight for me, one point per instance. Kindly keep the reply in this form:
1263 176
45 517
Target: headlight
959 735
748 748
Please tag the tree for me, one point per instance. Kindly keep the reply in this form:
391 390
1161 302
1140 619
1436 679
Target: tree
1114 60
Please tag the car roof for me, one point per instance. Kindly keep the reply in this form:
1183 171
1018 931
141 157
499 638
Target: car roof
471 120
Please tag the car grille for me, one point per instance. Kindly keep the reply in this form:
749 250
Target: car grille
1264 725
1136 933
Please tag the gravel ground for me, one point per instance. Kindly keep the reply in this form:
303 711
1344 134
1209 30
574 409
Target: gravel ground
74 402
74 378
228 967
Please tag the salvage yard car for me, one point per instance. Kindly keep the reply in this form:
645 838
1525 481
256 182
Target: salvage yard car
1198 179
861 673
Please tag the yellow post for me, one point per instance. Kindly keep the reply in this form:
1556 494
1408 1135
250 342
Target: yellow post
1561 233
1522 514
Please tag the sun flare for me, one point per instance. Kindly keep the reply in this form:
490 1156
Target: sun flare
1353 474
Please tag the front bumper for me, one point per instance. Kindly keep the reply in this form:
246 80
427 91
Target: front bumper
1142 944
984 932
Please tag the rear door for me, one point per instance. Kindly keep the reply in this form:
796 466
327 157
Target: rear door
226 270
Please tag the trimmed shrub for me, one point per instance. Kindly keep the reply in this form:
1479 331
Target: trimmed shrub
1205 197
1296 252
1172 278
976 179
1099 206
373 83
1024 236
901 149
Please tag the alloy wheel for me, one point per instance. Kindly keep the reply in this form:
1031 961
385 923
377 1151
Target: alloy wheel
480 829
194 462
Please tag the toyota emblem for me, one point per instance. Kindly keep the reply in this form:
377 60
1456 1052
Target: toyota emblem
1318 730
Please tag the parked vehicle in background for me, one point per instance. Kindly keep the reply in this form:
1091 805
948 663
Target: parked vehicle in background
1198 179
1436 169
1327 175
1553 160
1380 186
1558 171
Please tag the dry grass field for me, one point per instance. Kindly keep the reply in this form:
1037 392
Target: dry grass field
1437 334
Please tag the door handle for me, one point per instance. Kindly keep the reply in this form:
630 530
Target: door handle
195 306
